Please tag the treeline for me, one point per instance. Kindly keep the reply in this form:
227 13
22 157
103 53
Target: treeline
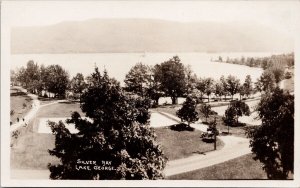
172 79
45 81
167 79
283 60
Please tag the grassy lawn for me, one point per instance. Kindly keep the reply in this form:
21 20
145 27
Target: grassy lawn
180 144
244 167
30 149
237 131
17 99
44 100
61 109
171 109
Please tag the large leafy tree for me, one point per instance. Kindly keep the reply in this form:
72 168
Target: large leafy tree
234 111
29 77
137 80
232 85
201 87
171 75
57 80
224 86
205 109
188 111
277 69
247 86
191 79
218 89
209 83
266 82
154 92
118 131
78 84
273 141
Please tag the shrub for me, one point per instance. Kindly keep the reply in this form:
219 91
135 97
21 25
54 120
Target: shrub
12 112
288 75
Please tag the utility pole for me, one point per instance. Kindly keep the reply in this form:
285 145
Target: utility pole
215 133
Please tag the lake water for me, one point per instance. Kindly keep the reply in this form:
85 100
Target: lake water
119 64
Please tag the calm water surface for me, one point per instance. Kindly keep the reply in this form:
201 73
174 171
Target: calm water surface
118 64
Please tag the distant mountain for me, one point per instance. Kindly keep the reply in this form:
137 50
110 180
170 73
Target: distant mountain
139 35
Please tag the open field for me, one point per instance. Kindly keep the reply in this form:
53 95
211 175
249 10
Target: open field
61 109
181 144
17 100
44 100
237 131
30 150
244 167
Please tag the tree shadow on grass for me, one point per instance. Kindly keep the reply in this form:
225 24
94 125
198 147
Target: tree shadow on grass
181 127
17 94
239 124
199 152
68 102
46 99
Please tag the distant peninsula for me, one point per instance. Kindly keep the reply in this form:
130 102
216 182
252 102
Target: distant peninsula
147 35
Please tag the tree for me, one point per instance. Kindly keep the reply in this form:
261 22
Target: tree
78 84
188 111
266 82
171 75
200 85
31 77
214 130
154 91
13 77
264 64
190 78
137 80
57 80
116 132
242 91
247 86
224 86
209 82
273 141
277 69
220 59
206 110
218 89
234 111
232 85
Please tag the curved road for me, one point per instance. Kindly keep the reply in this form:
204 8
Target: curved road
32 112
233 147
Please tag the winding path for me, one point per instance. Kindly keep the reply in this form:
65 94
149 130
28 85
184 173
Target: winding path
233 147
32 112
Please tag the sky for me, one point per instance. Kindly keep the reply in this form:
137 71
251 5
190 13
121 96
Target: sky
277 14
